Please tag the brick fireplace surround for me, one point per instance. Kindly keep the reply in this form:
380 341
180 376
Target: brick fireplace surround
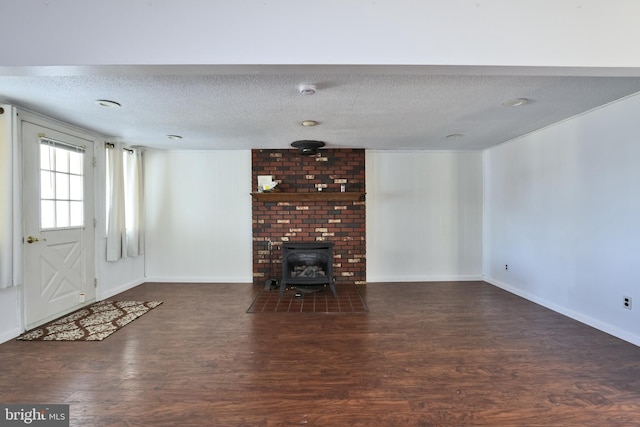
339 221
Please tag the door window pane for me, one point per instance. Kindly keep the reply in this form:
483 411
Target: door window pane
62 159
75 163
61 185
47 188
48 213
76 190
45 157
62 214
76 214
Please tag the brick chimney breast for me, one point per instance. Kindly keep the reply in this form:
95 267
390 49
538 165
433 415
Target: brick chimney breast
341 222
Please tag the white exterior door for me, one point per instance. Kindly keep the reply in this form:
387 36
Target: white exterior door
58 212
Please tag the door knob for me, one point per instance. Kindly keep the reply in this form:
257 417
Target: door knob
32 239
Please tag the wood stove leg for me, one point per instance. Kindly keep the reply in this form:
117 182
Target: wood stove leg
269 283
283 286
333 289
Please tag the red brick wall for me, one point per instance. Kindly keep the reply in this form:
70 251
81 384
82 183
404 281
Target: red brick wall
340 222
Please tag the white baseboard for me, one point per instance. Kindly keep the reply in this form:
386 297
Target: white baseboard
580 317
196 279
397 279
111 292
10 335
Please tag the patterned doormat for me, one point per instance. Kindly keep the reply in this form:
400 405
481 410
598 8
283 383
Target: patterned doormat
302 300
92 323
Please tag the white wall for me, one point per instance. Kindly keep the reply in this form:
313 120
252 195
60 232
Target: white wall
562 209
198 216
424 216
585 33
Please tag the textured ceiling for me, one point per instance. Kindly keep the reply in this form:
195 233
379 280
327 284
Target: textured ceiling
243 107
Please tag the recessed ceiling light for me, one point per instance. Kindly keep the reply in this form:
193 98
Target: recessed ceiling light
107 103
309 123
174 137
455 136
307 89
516 102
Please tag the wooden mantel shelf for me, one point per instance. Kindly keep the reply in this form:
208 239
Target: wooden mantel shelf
319 196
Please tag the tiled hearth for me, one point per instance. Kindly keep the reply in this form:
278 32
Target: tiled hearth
339 218
348 300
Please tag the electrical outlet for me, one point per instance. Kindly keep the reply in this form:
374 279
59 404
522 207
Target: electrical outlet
626 302
82 298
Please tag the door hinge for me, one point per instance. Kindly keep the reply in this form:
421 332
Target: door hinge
94 162
95 222
95 282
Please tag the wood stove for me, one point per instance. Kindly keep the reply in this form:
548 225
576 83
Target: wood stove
307 265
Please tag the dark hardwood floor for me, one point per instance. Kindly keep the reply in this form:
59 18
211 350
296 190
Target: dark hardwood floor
427 354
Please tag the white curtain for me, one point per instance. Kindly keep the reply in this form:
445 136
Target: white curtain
115 203
133 202
125 197
6 201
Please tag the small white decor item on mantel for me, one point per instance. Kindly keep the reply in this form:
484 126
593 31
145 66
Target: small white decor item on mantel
266 183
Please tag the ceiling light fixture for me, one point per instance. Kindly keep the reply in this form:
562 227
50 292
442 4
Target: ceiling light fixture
107 103
174 137
307 89
516 102
309 123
